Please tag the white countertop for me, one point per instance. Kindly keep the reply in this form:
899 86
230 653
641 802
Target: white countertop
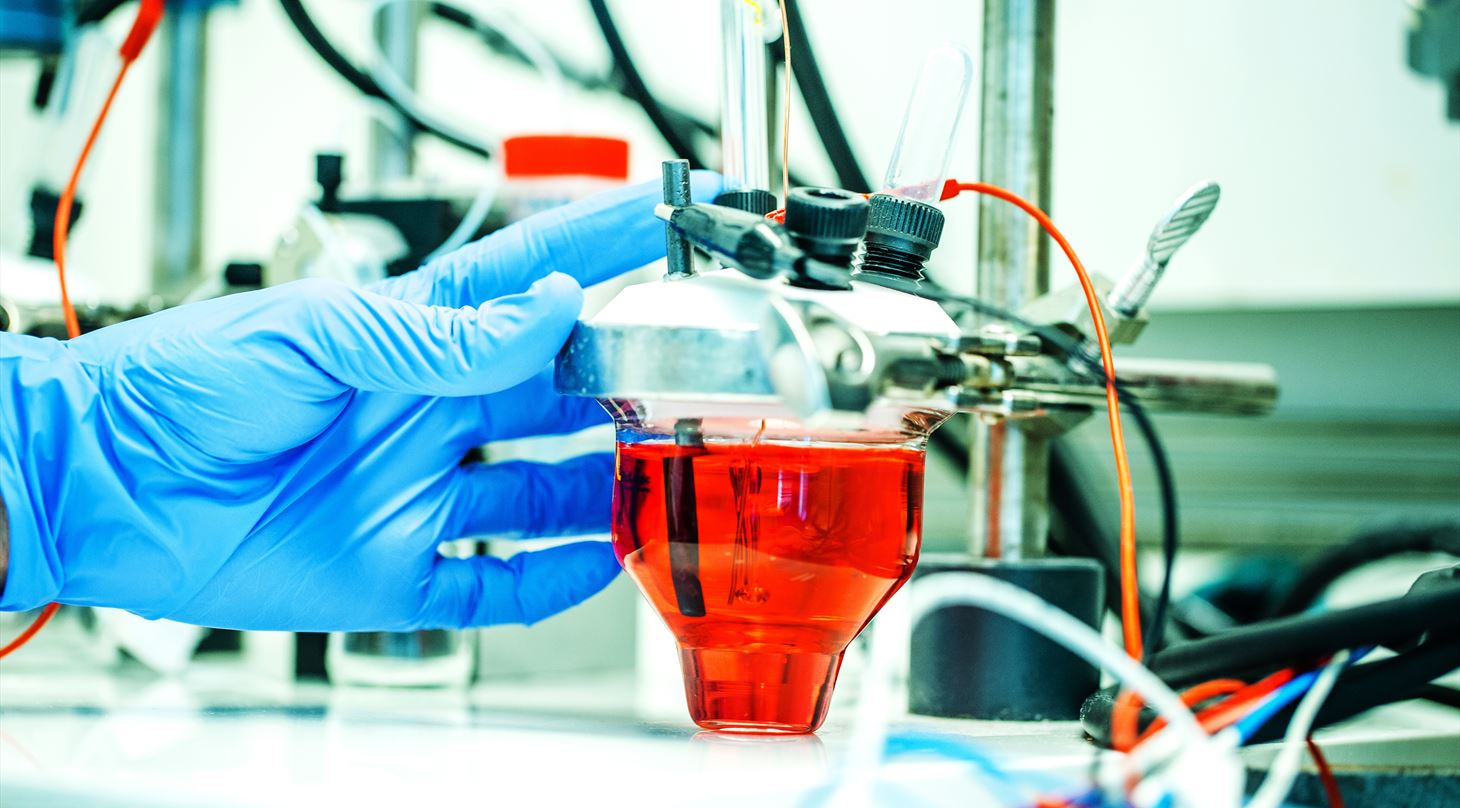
216 735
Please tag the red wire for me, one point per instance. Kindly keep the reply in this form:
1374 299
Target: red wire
40 621
1325 774
1191 697
1130 606
149 13
1237 705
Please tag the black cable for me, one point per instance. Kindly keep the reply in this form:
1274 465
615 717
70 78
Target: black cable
1359 689
95 11
320 44
819 105
1155 633
1364 687
1365 549
586 80
639 91
1296 641
1440 694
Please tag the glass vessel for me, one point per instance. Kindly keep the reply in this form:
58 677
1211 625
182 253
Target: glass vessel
766 546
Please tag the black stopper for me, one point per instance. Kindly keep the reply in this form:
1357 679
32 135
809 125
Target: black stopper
901 235
966 662
329 173
752 201
826 222
43 203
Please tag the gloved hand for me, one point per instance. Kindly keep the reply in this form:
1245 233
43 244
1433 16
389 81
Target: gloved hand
290 458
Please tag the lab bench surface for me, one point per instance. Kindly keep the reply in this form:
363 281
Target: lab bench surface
218 736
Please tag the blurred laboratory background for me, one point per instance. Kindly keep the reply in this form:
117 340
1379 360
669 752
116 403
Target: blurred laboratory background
235 150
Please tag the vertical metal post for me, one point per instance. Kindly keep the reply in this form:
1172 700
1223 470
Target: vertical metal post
1009 466
396 28
744 126
177 256
676 180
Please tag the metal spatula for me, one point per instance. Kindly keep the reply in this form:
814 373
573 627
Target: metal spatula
1190 213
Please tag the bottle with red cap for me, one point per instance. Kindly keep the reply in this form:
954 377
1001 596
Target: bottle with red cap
545 171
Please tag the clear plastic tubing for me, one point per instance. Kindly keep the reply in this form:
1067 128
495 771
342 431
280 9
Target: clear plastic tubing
930 126
744 133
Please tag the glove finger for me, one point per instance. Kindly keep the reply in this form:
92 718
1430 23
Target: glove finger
521 499
485 591
536 408
592 240
375 343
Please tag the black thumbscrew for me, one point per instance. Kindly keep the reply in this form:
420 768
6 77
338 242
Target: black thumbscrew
828 224
901 236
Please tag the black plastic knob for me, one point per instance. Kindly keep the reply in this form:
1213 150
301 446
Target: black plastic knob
753 201
901 235
827 223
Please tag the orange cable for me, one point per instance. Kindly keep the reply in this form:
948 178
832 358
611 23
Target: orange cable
1191 697
1125 721
41 619
68 198
149 14
1238 704
1325 774
1130 607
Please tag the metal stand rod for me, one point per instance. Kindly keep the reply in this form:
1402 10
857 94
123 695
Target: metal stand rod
743 115
179 232
396 29
1009 463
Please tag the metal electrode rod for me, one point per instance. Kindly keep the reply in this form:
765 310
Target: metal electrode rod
744 131
1009 463
677 193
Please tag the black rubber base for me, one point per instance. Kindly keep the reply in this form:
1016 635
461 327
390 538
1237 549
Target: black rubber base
971 663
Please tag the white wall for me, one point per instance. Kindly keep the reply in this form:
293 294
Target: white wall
1341 177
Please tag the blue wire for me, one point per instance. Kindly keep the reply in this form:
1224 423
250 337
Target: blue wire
1011 790
1249 724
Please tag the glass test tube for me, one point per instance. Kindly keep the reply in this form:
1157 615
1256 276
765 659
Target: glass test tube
930 127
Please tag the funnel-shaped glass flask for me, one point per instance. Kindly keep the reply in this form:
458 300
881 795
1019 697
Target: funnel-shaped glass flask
766 546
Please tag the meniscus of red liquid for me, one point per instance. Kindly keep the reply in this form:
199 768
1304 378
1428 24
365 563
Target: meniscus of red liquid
766 559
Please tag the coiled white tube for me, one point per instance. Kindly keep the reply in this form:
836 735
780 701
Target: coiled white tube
869 735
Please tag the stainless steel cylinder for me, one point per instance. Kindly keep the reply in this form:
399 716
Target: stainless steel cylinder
396 29
744 131
179 229
1009 466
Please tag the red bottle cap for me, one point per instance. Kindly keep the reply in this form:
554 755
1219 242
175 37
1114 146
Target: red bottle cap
566 156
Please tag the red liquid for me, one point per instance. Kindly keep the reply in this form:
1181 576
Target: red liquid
765 561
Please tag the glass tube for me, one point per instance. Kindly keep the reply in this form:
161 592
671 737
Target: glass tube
744 132
930 127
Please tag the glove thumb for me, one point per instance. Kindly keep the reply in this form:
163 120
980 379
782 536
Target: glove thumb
529 586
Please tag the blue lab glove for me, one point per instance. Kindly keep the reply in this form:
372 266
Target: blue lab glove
290 458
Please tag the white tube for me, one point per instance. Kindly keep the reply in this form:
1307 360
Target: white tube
1284 769
869 735
471 221
520 38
